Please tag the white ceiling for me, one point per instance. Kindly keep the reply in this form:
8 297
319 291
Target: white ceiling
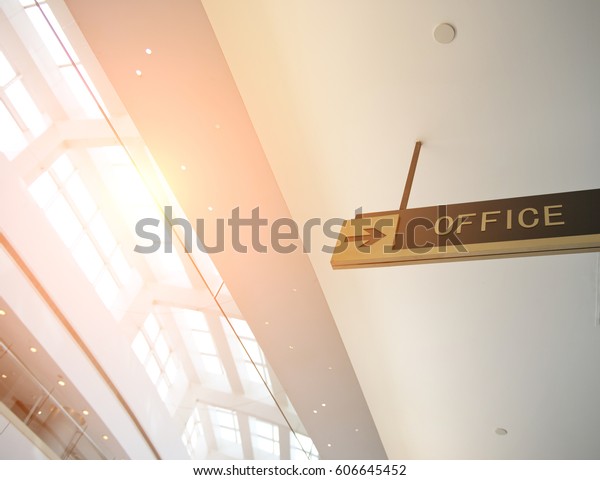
338 92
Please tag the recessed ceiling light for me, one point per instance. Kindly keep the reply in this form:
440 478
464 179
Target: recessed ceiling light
210 209
85 412
32 349
39 412
294 289
444 33
217 125
138 73
2 312
329 444
323 404
329 368
104 437
314 411
61 382
148 51
4 375
356 429
266 323
501 431
183 167
291 347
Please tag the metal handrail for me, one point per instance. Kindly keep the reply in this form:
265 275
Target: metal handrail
4 349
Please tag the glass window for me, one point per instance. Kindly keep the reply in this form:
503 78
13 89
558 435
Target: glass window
254 364
162 349
153 369
265 436
151 327
12 139
6 71
43 190
80 195
204 342
63 167
193 435
46 33
225 424
71 209
130 192
87 258
241 327
120 266
253 350
106 288
65 222
104 237
26 108
163 388
302 446
140 347
151 347
171 370
212 364
79 90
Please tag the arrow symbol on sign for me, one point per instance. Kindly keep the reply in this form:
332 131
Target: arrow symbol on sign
372 236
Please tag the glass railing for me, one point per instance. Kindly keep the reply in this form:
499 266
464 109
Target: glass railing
60 427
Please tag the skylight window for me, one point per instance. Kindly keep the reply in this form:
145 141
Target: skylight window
204 344
200 342
73 213
12 136
64 220
225 424
104 237
193 435
60 49
43 190
127 183
12 139
63 168
79 90
120 266
77 191
132 195
88 258
301 446
6 71
26 108
152 350
49 39
106 287
213 365
265 436
254 362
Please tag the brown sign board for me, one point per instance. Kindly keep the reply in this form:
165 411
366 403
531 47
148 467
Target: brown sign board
536 225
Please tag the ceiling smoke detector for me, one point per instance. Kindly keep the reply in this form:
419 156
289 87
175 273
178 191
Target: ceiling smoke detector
444 33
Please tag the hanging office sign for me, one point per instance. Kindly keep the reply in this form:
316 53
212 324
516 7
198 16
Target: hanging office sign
536 225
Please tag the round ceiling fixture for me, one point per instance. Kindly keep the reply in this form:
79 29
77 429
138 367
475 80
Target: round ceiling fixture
444 33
